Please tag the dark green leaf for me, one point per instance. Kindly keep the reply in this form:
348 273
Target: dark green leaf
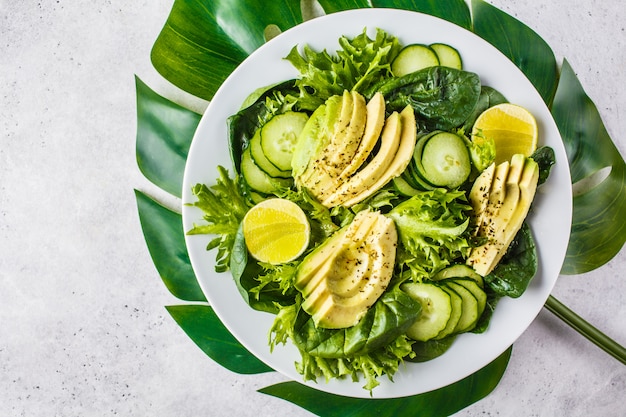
489 97
239 263
455 11
207 331
438 403
204 40
163 231
545 158
426 351
520 44
598 227
390 316
164 133
332 6
246 272
442 98
517 268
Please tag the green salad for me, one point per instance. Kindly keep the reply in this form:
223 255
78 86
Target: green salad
415 230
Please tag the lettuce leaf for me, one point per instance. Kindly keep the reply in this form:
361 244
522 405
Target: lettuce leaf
359 64
432 226
223 207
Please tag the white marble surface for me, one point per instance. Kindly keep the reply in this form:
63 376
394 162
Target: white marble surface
83 330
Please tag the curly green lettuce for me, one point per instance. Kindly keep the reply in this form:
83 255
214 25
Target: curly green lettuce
360 63
223 206
433 229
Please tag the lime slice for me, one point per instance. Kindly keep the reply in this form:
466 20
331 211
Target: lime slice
512 128
276 231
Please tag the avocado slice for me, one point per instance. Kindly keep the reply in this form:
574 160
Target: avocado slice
368 175
401 159
510 196
328 143
347 138
315 137
316 265
340 281
333 155
375 120
479 195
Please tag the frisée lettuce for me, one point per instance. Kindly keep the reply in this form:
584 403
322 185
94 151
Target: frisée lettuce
360 63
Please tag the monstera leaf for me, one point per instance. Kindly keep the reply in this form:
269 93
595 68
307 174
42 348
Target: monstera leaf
599 175
441 402
207 331
165 237
164 132
203 41
455 11
520 44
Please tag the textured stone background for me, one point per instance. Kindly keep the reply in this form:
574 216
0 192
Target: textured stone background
83 330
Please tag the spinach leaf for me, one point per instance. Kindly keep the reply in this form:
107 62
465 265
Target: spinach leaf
242 125
246 271
517 267
489 97
490 307
425 351
442 98
545 158
388 318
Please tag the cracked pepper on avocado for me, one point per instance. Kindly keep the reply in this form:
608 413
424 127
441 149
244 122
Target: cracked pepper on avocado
412 232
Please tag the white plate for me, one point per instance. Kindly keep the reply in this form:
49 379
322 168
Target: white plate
550 219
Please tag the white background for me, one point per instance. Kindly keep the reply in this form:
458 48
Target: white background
83 330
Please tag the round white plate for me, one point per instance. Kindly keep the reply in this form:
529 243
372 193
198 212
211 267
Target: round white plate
550 219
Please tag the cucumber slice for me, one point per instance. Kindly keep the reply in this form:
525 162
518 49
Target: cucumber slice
445 160
257 179
256 151
477 292
413 58
415 167
448 56
408 176
279 136
436 310
457 311
470 315
411 176
255 197
459 271
420 183
403 187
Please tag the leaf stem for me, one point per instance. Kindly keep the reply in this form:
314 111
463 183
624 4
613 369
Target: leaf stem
586 329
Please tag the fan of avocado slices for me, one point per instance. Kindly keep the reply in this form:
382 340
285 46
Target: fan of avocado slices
415 232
